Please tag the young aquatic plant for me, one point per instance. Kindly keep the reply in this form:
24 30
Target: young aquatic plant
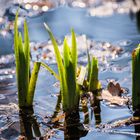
69 88
26 82
67 71
136 79
94 86
92 77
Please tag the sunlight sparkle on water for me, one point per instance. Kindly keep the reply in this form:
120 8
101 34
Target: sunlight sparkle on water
4 33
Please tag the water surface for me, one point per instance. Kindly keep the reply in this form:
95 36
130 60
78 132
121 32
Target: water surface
118 30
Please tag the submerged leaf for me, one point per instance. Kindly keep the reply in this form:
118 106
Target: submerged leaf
116 100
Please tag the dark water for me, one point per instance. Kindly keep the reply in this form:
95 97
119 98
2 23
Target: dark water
120 30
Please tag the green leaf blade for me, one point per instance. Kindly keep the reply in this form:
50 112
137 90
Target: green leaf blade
26 54
20 64
50 70
66 53
23 90
32 84
93 80
61 70
74 51
136 78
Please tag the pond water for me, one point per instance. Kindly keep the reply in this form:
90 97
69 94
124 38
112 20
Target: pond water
117 31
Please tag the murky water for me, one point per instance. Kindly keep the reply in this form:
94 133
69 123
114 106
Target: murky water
110 38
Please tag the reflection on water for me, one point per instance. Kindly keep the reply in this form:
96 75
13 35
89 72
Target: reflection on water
97 111
28 124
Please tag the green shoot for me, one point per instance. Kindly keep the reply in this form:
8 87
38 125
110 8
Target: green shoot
74 51
94 84
20 63
28 124
25 84
67 71
136 78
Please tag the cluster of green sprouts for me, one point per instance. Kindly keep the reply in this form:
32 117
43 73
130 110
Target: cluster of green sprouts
70 81
67 68
26 81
